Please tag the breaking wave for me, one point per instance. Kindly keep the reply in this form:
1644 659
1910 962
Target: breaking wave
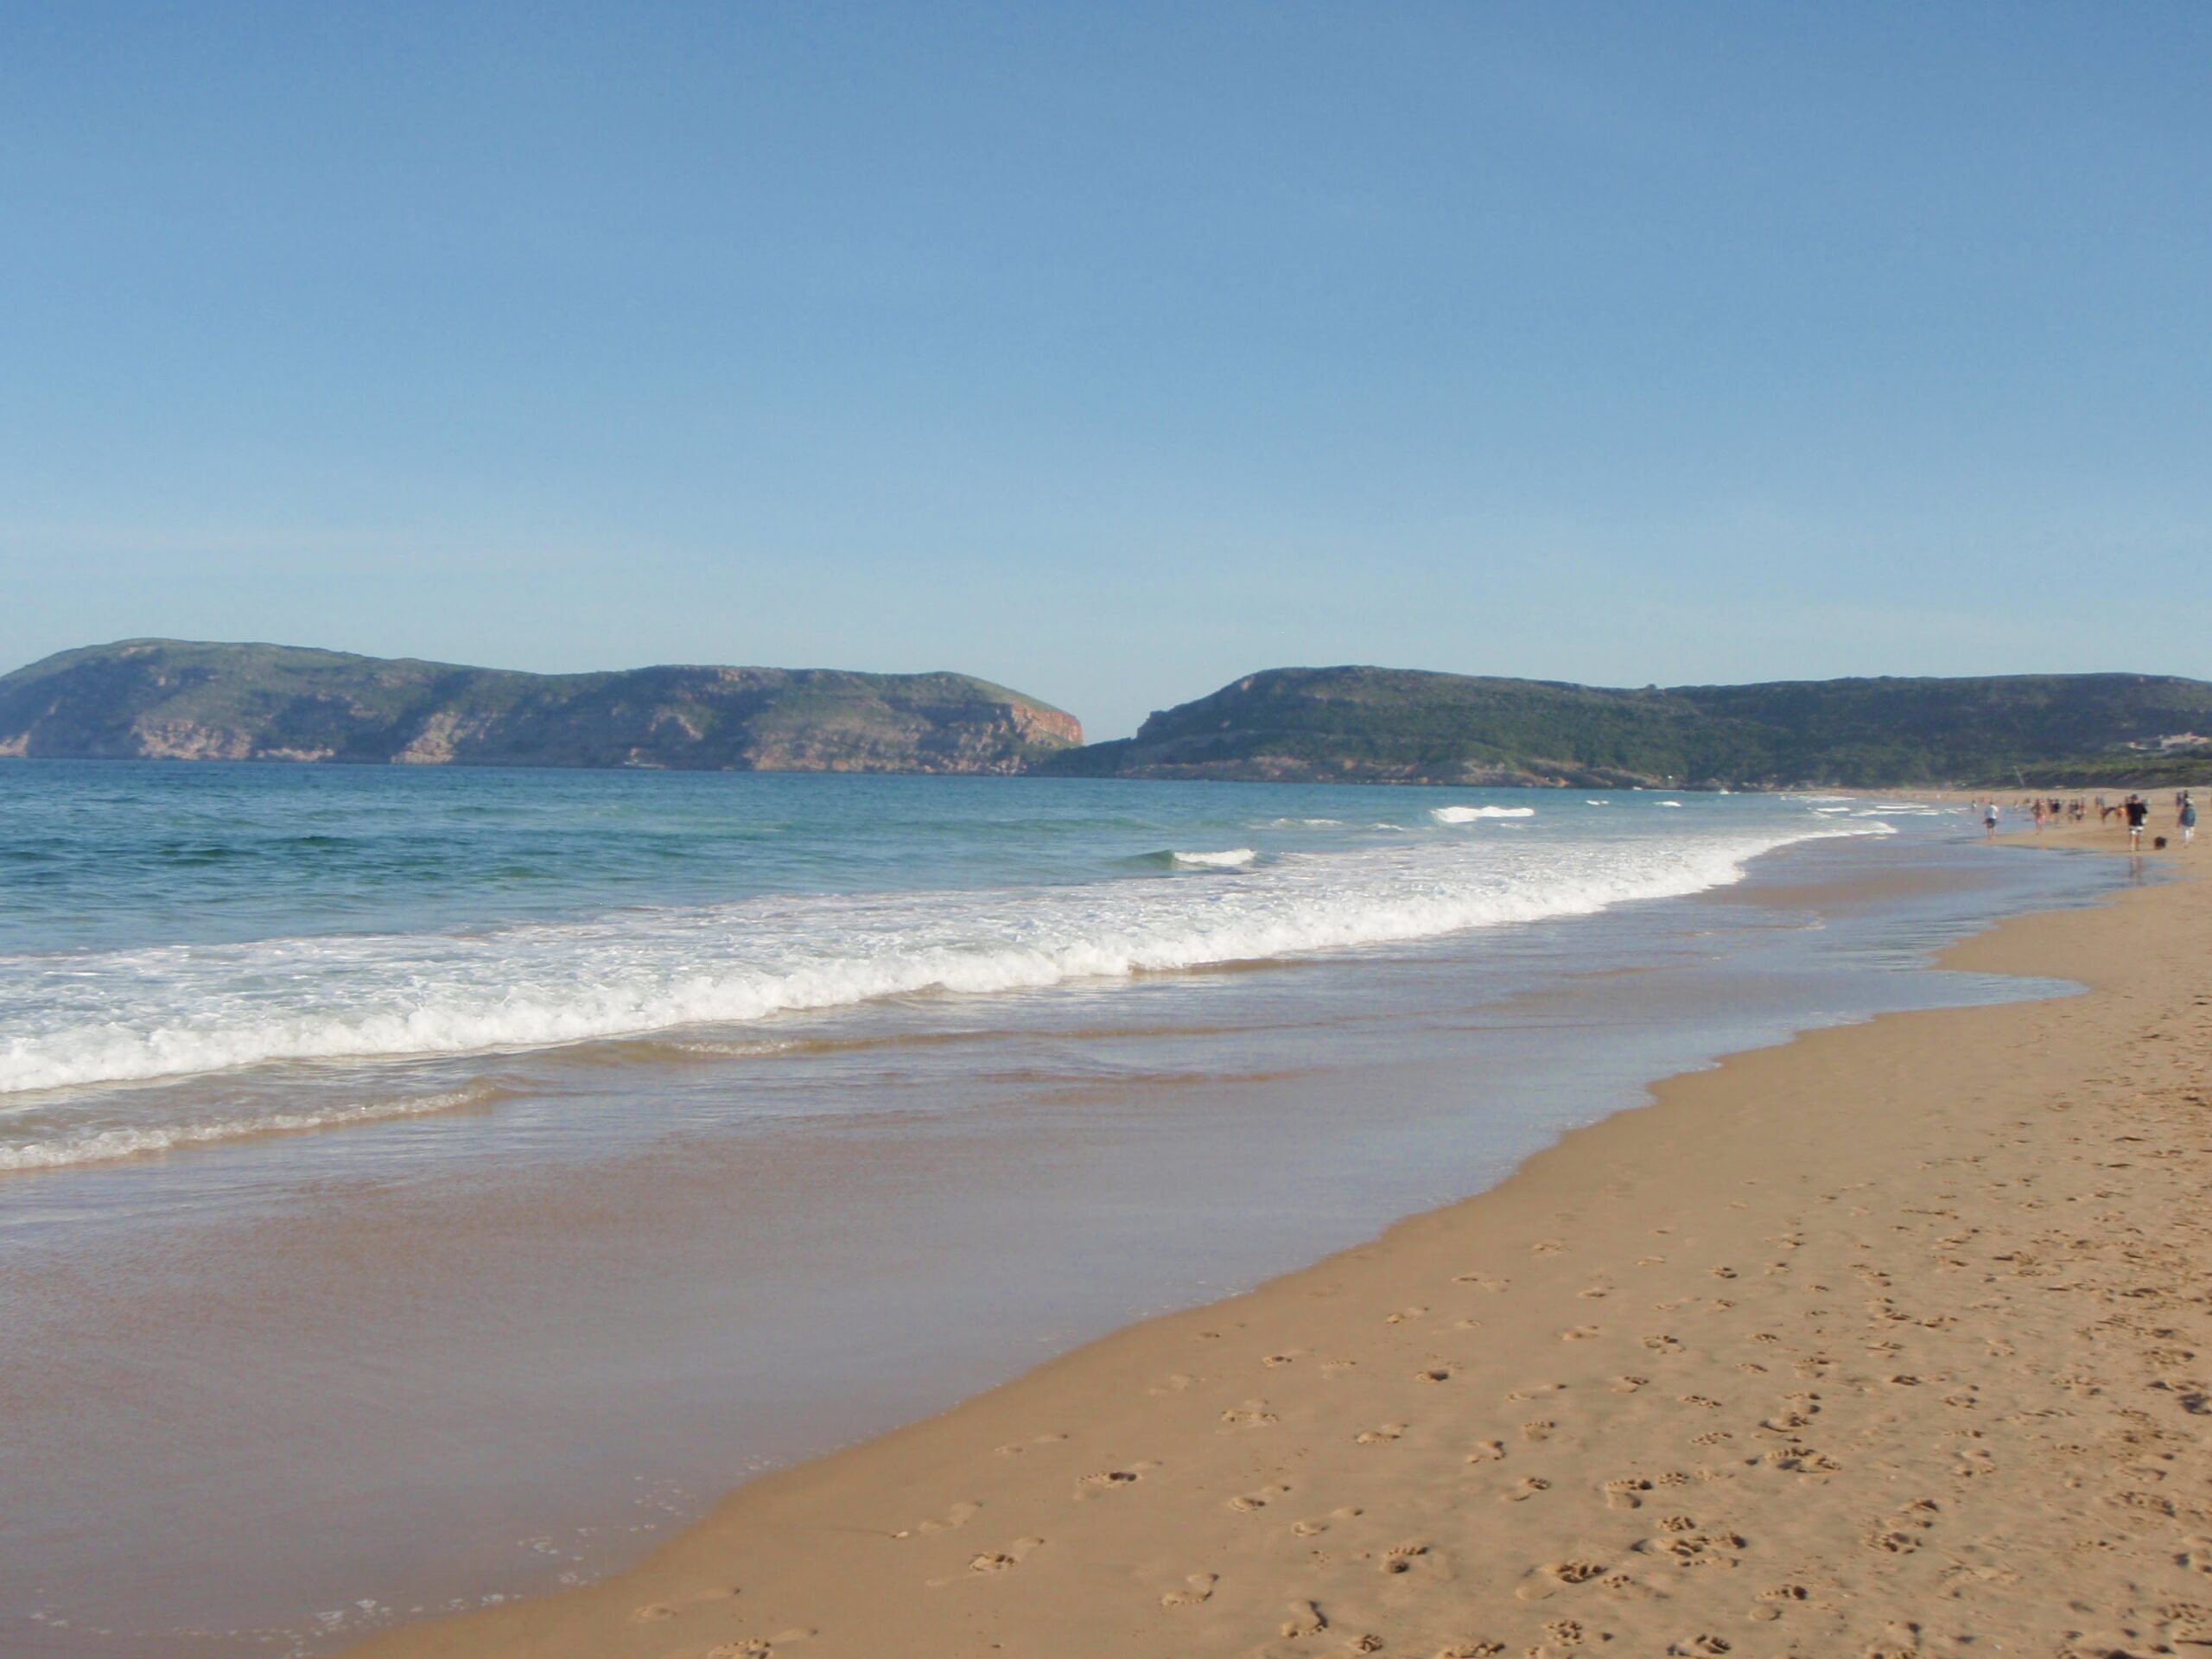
1234 859
124 1016
1470 814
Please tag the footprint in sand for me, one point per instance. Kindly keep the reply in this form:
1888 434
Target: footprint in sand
758 1647
1018 1447
958 1516
992 1561
1381 1435
1525 1489
1483 1282
1289 1358
1579 1333
1704 1550
1306 1618
1575 1571
1309 1529
1629 1384
1487 1451
1174 1384
1434 1374
1109 1480
1540 1429
1702 1647
1547 1246
2188 1622
1901 1640
1664 1344
1626 1493
1404 1314
1247 1502
1400 1558
1772 1603
1471 1650
1253 1413
1803 1461
1198 1587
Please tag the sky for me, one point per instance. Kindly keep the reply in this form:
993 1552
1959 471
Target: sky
1113 352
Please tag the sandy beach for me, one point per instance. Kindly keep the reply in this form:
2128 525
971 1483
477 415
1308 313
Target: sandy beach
1882 1342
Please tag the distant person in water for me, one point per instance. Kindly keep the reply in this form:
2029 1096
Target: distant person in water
2187 818
1989 816
2138 812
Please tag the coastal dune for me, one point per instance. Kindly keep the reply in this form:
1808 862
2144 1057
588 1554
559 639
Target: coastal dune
1887 1341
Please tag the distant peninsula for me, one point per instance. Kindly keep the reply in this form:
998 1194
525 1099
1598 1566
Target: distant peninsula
173 699
169 699
1403 726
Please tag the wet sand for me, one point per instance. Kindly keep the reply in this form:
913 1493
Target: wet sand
1883 1342
309 1386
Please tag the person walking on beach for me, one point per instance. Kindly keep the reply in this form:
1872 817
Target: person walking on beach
1989 816
2187 818
2137 811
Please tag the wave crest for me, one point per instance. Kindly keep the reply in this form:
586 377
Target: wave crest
1470 814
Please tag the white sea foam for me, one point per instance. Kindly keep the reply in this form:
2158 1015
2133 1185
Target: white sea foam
1233 859
1670 803
1470 814
113 1017
1596 803
100 1146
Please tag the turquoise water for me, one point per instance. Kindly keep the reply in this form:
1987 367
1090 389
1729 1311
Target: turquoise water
191 954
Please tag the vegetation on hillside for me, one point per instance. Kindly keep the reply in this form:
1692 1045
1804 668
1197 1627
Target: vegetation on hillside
1397 725
185 700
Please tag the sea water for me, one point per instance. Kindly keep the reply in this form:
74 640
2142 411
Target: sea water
191 954
418 1186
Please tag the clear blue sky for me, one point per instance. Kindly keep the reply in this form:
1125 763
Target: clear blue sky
1114 351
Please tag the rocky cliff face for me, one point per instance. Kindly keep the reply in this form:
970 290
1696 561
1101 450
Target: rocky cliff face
176 700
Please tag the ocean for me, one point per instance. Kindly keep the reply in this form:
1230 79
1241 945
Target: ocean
419 1185
195 954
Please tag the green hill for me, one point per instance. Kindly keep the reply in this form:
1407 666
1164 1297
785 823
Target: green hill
174 699
177 699
1405 726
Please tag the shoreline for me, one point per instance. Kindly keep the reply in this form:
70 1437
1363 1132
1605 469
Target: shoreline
1376 1452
